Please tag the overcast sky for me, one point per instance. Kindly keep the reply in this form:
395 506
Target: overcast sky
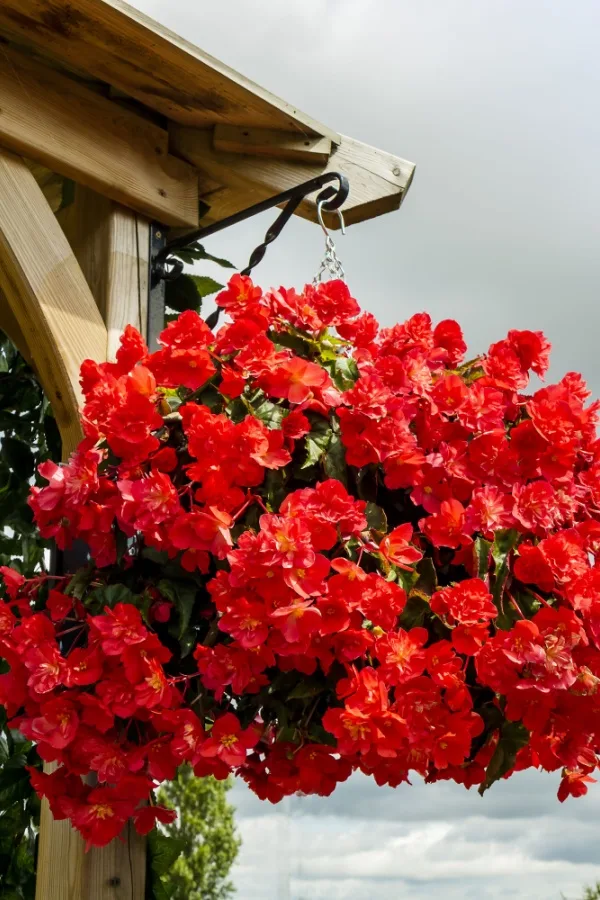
496 101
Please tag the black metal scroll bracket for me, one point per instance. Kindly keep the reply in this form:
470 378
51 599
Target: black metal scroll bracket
166 267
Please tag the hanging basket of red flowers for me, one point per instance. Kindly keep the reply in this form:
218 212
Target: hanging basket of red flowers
316 546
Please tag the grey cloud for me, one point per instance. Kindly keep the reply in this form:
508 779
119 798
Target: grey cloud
525 795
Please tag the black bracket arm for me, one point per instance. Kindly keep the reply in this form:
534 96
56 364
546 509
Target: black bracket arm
166 266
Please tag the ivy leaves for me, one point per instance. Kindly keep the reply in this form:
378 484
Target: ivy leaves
19 813
28 436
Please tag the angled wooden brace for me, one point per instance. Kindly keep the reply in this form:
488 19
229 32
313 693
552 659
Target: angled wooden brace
47 294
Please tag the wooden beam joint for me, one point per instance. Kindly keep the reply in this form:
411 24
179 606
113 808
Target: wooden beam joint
273 144
379 181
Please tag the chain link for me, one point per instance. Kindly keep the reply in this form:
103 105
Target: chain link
330 264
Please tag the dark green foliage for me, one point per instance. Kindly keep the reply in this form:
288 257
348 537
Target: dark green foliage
513 737
188 291
592 893
28 435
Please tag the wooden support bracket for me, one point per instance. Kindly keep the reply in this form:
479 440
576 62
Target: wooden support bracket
47 294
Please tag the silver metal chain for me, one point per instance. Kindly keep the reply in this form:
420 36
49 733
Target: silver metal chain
330 264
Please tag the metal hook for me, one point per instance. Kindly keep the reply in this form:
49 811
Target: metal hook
320 205
330 262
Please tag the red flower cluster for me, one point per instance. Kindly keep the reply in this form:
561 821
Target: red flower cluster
317 547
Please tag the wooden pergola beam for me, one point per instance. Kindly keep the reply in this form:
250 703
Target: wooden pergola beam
120 45
47 294
82 135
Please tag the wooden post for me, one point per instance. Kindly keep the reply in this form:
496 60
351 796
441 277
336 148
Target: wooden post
111 245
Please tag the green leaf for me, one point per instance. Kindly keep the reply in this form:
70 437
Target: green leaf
513 737
211 398
275 487
195 252
18 456
163 851
334 459
317 442
183 596
505 540
481 550
11 822
270 414
213 320
160 889
406 578
294 342
52 435
318 734
344 372
160 557
376 517
10 893
205 285
366 483
308 687
427 582
17 792
79 583
113 594
24 860
182 294
415 612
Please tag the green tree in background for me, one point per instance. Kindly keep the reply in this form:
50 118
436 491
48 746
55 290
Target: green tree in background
592 893
206 829
589 893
